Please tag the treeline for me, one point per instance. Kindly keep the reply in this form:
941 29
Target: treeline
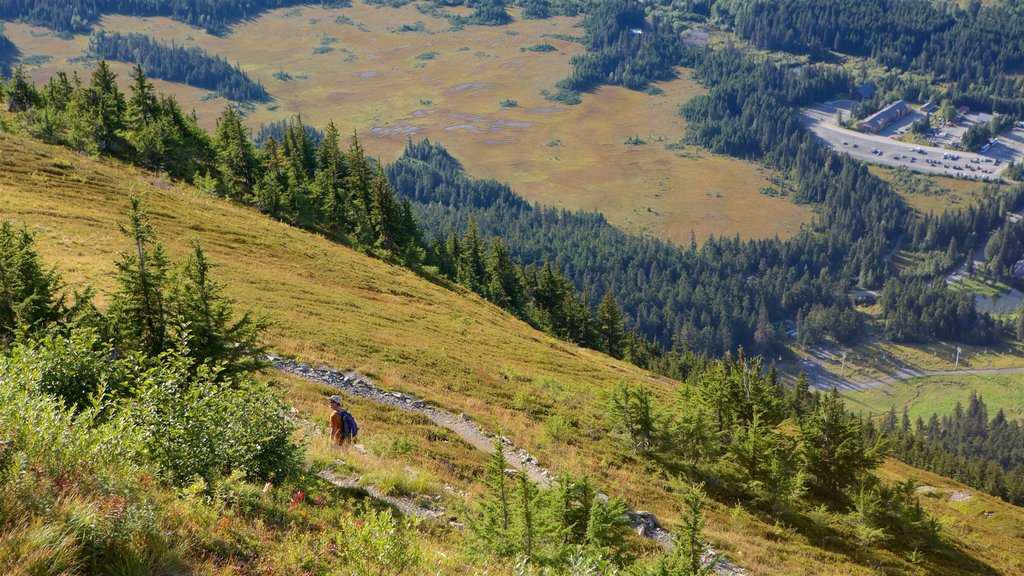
541 9
965 228
966 446
78 16
192 66
942 41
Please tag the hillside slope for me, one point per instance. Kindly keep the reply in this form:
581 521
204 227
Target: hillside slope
332 305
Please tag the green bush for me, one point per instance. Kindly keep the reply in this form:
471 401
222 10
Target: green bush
196 426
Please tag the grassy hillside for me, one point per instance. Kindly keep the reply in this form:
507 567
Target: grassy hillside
332 305
393 73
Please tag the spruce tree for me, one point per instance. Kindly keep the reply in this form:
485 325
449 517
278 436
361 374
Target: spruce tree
610 327
29 294
216 335
138 310
237 158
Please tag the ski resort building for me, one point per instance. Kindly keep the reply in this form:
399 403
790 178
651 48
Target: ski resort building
879 120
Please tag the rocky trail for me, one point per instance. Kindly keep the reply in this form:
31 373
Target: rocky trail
644 524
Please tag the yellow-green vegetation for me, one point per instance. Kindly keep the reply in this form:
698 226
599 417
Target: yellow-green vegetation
332 305
925 396
396 73
930 194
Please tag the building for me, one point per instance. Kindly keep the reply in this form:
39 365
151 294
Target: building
929 108
864 91
879 120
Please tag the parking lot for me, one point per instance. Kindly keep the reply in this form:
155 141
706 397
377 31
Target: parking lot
884 149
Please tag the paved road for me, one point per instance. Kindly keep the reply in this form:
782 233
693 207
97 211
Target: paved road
821 121
822 380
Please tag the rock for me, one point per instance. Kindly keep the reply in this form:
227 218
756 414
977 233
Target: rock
988 515
464 417
511 472
303 368
960 496
506 441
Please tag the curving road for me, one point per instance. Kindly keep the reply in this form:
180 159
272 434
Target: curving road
822 380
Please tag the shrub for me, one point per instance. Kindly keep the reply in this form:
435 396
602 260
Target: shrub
197 426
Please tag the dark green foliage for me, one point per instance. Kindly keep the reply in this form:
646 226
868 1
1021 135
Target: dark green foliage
29 294
623 49
489 13
916 312
139 314
967 446
8 54
216 336
78 16
237 161
833 450
944 42
611 335
192 66
20 93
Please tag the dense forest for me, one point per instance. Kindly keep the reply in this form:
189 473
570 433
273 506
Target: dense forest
192 66
78 16
966 445
977 49
623 49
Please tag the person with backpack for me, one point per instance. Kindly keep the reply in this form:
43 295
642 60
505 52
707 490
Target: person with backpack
343 426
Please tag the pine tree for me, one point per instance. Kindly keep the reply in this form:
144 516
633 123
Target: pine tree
472 260
832 448
610 327
216 335
329 181
107 105
632 411
138 311
21 94
237 158
505 288
29 295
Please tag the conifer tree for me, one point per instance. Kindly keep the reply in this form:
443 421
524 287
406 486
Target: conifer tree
505 288
832 448
21 94
236 156
107 106
472 260
610 328
216 336
330 181
138 311
28 293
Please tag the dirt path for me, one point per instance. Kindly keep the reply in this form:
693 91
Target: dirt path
643 523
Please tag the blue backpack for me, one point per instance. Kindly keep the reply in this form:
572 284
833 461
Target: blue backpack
349 428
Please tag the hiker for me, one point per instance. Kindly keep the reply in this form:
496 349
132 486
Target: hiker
343 425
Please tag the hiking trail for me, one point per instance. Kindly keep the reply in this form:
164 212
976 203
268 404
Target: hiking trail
352 383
